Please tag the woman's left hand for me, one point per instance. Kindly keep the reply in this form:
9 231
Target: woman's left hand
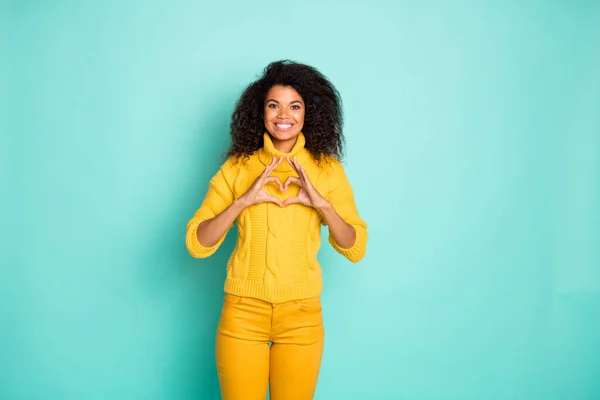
308 196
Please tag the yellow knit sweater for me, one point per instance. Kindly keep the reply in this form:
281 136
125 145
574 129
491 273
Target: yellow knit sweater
275 258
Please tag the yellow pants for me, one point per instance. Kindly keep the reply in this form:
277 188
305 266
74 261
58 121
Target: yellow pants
262 345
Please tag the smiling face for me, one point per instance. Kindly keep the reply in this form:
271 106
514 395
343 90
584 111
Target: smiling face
284 116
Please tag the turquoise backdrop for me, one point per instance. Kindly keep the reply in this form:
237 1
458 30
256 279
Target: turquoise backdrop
472 144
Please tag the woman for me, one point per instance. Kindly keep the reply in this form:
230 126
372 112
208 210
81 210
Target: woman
281 181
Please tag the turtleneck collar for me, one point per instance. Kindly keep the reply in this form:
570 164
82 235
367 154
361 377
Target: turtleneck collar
268 151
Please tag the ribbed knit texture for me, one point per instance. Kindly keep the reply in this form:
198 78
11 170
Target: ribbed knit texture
275 258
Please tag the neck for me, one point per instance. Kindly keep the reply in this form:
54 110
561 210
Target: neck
284 146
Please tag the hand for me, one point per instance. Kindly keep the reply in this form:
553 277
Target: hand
308 196
256 193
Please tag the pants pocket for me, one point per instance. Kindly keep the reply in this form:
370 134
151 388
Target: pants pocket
230 300
311 305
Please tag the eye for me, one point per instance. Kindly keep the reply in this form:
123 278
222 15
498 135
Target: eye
295 107
272 105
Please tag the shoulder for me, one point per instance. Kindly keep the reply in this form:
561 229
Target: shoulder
237 168
332 168
227 172
332 174
235 165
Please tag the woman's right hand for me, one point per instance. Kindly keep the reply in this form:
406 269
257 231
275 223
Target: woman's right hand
256 193
211 231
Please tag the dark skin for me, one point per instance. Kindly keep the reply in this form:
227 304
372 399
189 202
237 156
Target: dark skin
284 118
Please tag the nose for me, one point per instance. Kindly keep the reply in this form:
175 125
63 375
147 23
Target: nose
282 112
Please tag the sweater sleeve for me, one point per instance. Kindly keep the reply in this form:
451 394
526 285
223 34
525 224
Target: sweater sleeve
341 196
218 197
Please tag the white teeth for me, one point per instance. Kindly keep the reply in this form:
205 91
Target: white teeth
284 126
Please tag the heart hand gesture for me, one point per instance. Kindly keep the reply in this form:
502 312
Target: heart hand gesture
256 193
308 196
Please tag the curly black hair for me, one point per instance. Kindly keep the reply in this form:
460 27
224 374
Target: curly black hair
323 118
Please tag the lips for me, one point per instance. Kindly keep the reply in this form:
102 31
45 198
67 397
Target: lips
284 127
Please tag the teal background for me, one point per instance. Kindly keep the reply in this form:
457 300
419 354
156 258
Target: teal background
472 145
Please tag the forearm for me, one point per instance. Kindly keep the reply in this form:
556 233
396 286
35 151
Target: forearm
209 232
343 233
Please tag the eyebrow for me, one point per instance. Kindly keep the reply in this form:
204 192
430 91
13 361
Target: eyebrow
291 102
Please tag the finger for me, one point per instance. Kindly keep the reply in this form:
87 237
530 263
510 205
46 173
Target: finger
269 179
299 168
271 199
273 163
278 181
293 200
277 162
305 176
269 168
291 179
295 163
301 172
291 162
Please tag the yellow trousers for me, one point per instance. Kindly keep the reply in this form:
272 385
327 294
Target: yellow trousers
263 346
